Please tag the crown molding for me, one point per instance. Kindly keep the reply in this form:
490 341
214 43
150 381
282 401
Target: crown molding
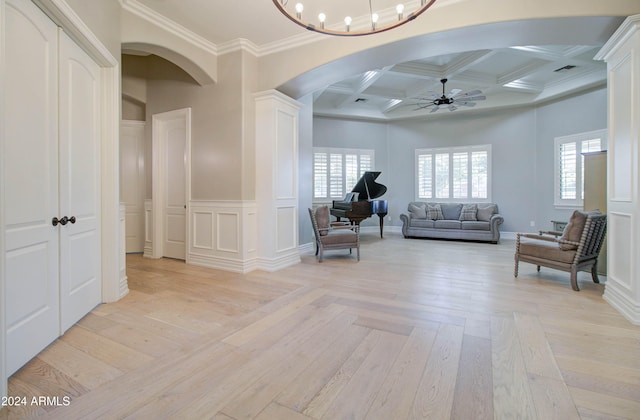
300 40
150 15
624 32
64 16
239 44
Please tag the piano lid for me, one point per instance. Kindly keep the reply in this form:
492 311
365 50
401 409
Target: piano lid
367 188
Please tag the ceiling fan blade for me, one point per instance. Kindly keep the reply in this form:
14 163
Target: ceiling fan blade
465 103
421 105
452 107
474 98
454 92
472 92
435 108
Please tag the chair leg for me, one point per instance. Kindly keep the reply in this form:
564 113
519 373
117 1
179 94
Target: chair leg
321 254
515 269
358 253
538 269
594 272
317 248
574 279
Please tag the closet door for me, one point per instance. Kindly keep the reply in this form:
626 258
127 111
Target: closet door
79 143
30 159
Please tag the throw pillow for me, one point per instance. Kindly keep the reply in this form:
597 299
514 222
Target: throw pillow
418 212
322 219
469 212
484 213
573 231
451 211
434 212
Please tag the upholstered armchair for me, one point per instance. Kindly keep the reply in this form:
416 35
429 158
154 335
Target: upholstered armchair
336 235
576 249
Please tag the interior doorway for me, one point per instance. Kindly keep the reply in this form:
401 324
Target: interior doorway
171 182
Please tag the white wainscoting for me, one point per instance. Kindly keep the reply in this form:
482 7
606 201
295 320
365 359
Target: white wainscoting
223 235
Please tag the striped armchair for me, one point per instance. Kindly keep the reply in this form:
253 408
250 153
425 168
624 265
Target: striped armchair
576 249
333 235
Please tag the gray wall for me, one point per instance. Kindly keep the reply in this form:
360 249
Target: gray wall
522 151
573 115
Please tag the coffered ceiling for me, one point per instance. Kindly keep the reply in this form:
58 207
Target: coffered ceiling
513 76
507 77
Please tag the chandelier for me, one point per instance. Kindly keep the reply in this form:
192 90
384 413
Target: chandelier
376 20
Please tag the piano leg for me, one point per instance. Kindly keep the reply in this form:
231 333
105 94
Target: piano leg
381 216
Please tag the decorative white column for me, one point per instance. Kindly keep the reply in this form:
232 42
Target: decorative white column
276 180
622 54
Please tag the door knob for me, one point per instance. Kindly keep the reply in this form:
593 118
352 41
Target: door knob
55 221
62 221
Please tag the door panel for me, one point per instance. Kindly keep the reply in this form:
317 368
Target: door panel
175 195
31 182
79 182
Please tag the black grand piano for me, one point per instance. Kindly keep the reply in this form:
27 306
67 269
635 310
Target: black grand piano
356 210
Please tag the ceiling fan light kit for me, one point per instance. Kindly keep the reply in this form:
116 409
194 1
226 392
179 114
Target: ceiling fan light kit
399 12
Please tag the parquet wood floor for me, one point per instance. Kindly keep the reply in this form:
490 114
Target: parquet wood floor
416 329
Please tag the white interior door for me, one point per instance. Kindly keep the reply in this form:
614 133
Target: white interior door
132 182
79 180
175 202
30 159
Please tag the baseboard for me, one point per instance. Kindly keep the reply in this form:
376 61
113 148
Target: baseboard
620 302
245 266
124 287
227 264
308 248
508 235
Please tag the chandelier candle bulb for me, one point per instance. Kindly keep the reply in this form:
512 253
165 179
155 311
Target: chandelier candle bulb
347 21
400 10
322 17
374 21
299 9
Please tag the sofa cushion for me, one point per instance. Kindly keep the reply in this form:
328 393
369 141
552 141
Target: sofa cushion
418 212
322 219
448 224
478 225
469 212
434 212
486 211
421 223
546 250
573 231
451 211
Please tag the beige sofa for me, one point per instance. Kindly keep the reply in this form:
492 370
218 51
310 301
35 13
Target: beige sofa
464 221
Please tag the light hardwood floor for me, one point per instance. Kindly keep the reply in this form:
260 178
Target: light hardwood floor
416 329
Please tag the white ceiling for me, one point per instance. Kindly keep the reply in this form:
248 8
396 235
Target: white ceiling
518 75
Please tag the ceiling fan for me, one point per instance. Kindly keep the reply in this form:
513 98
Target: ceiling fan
456 98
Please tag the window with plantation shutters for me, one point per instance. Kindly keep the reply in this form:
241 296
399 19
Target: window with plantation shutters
336 171
453 173
569 165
